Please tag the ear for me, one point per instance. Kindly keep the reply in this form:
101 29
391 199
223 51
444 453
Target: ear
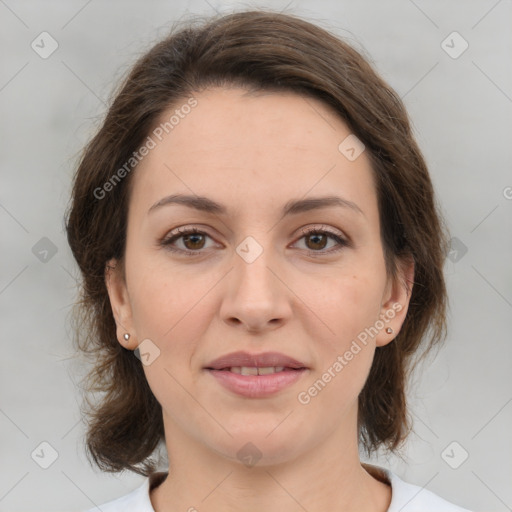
120 303
395 301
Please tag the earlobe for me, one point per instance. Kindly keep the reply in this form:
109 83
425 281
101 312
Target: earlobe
120 304
396 302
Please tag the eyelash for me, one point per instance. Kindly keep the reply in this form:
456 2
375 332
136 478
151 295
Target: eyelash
166 242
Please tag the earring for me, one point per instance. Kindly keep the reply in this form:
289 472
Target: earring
389 330
126 336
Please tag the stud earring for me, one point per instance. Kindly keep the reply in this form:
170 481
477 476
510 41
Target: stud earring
389 330
126 336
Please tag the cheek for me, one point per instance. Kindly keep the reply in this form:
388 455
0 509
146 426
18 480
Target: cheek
350 307
167 302
347 304
173 311
361 299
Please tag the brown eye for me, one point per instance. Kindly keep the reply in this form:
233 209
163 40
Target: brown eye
319 240
196 241
316 241
193 241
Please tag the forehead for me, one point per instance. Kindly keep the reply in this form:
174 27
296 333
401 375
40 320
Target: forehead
251 150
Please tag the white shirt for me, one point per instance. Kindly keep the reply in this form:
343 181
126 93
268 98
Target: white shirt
405 497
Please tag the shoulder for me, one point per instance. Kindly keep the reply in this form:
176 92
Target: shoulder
137 500
406 497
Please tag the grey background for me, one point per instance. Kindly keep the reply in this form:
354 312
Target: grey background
461 109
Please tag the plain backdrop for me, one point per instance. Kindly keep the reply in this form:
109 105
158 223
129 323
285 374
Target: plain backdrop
460 102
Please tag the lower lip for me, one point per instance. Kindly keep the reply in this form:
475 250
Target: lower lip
257 386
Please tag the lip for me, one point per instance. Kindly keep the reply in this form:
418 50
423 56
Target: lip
262 360
257 386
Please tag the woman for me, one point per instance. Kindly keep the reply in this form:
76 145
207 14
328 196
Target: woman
262 264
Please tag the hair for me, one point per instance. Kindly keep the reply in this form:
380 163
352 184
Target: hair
261 51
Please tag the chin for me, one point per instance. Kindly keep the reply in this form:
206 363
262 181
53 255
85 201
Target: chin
262 444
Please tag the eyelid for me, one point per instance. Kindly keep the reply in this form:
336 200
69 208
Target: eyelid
321 228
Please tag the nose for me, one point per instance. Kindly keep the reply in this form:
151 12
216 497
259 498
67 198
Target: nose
256 296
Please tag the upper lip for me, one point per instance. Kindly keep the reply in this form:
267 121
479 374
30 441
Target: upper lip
263 360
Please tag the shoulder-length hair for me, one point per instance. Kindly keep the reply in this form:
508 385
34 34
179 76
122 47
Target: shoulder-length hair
266 51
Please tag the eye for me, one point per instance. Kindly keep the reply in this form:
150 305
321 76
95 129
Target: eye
193 240
318 239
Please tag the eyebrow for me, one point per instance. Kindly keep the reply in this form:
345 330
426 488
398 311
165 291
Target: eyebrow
292 207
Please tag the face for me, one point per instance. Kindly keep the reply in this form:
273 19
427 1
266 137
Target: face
308 282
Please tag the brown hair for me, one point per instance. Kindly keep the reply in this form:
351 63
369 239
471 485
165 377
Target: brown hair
259 50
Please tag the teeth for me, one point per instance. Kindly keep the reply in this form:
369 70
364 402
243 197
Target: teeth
247 370
270 369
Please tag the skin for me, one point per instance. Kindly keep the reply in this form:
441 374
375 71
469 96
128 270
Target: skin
268 148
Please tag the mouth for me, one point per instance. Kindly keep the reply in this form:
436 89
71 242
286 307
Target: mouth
256 375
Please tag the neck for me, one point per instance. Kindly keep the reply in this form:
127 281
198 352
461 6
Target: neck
329 476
